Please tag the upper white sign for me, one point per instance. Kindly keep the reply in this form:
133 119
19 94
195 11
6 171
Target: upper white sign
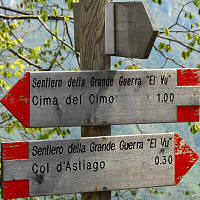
52 99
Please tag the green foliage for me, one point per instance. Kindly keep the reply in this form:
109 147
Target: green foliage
133 66
69 4
194 127
166 31
157 1
197 3
165 47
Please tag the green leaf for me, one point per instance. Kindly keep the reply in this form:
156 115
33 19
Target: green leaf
17 74
187 193
52 62
186 15
133 193
116 65
198 66
156 192
120 62
184 55
70 4
189 36
161 46
7 87
133 66
195 128
54 12
166 31
55 31
45 17
168 48
196 37
197 3
66 18
54 38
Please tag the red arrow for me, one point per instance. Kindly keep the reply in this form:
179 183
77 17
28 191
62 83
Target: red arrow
17 100
184 157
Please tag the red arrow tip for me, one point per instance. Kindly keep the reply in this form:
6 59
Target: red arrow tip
17 100
184 156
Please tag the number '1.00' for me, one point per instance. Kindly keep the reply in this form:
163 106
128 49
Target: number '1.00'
164 98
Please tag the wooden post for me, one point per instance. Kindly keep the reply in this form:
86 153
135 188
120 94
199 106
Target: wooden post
92 48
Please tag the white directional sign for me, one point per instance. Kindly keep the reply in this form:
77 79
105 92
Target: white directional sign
50 99
93 164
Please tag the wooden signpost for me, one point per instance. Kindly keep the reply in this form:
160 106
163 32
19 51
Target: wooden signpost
50 99
38 168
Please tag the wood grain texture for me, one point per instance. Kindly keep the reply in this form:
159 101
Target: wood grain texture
77 35
92 50
135 30
109 29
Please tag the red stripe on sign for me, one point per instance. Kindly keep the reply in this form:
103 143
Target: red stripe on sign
188 77
184 157
188 113
14 150
15 189
17 100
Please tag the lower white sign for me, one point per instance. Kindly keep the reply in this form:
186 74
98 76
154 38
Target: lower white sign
38 168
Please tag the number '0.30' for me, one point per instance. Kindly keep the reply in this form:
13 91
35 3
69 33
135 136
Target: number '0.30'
163 160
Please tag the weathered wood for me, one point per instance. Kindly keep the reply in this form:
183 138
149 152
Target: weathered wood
92 50
109 29
130 29
77 39
95 164
124 97
135 30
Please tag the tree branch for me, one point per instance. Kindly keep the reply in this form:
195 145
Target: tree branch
181 43
13 10
58 38
15 17
182 31
25 59
168 58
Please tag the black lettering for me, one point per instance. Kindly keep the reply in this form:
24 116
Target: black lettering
95 166
152 143
35 100
68 166
74 166
59 167
34 152
34 84
102 164
91 98
35 168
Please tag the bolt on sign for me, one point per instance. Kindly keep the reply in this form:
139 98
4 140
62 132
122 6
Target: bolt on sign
52 99
49 167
